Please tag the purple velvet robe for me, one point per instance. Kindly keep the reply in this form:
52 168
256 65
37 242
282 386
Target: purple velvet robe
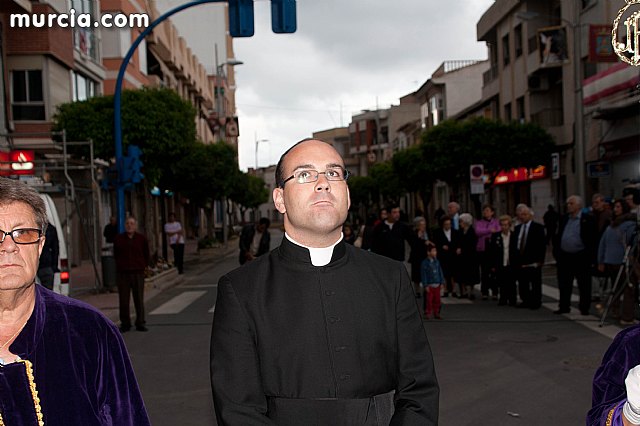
609 391
82 371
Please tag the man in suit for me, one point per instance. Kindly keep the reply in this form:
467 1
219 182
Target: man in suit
528 258
501 250
294 331
389 236
575 253
255 240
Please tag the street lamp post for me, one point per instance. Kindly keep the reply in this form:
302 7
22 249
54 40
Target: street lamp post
220 76
257 142
579 143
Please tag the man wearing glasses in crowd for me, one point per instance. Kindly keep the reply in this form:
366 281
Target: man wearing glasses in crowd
318 331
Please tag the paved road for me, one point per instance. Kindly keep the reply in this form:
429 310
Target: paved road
496 365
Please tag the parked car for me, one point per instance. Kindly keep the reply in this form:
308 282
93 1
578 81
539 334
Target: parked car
62 277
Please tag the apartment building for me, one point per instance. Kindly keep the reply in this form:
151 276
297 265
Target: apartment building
543 70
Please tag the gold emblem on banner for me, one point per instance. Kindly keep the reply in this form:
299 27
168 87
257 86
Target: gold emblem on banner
628 50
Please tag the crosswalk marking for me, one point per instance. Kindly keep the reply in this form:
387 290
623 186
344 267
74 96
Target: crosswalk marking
178 303
212 310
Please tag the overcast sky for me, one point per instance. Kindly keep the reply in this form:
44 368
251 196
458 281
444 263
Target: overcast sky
346 56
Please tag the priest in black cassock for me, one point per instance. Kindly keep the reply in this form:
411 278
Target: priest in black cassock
319 332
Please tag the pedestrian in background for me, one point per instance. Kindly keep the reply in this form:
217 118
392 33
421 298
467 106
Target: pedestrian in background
324 304
453 211
432 280
110 230
389 236
349 235
528 258
447 240
366 232
418 251
501 246
484 227
575 252
131 250
255 240
611 251
175 233
467 264
602 214
48 265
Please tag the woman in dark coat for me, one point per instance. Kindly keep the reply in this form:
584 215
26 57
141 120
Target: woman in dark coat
467 262
418 251
446 240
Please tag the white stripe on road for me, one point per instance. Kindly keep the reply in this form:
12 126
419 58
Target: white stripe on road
608 330
178 303
212 310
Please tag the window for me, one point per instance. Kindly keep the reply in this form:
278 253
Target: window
436 109
505 50
83 87
85 39
27 97
517 40
520 109
507 112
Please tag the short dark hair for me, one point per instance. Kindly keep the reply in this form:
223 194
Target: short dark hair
279 172
14 191
430 246
443 219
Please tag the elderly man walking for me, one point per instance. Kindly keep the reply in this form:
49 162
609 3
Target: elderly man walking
575 253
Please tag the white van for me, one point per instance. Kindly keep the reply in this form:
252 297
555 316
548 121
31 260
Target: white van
61 278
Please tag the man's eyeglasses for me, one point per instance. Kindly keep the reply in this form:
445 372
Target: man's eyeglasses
310 175
22 236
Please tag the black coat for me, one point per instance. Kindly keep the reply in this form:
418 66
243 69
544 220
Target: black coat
496 248
588 235
295 344
447 257
246 238
535 247
389 242
467 263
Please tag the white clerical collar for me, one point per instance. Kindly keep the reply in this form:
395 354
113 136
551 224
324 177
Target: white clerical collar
320 256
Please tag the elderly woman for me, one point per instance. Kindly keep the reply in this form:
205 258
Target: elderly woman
484 227
468 266
418 251
63 362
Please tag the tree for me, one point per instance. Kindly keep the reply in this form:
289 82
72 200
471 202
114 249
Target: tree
159 121
361 192
386 181
452 146
415 172
249 192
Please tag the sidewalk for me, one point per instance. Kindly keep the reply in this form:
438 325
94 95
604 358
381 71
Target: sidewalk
83 279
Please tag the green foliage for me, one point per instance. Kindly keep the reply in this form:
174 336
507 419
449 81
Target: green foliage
362 189
206 172
249 191
159 121
452 146
386 181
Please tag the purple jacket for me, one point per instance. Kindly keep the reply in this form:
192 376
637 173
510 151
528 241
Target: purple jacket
484 228
609 391
81 369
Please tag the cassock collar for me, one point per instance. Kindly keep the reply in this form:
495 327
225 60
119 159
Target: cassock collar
25 343
296 252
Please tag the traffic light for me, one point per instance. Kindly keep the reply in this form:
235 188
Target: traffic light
134 152
241 18
283 16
